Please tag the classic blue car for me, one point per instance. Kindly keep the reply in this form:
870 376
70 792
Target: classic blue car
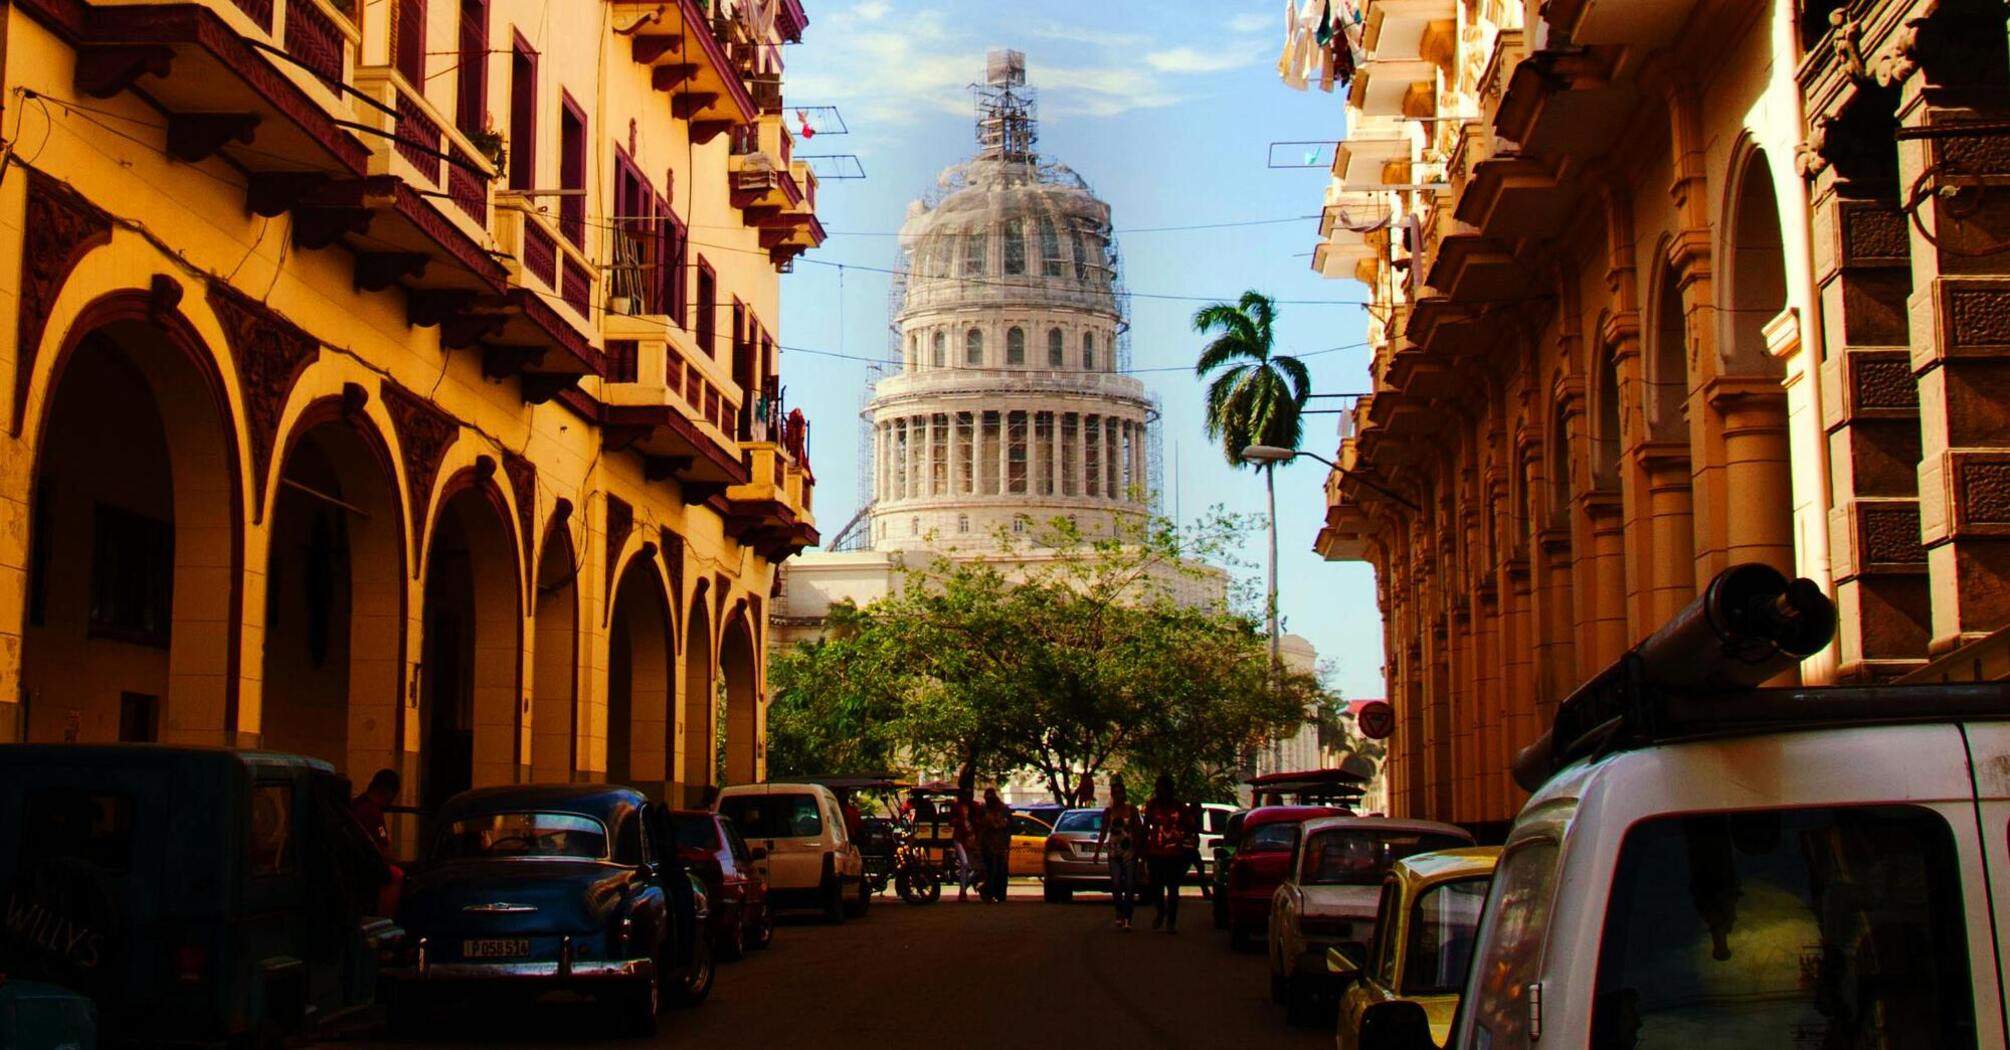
573 887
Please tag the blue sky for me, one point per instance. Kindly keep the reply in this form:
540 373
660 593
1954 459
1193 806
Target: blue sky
1168 110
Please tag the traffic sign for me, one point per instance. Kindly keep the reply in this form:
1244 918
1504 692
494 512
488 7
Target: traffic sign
1377 719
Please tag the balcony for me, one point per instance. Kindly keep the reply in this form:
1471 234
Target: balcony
771 511
1646 23
1562 102
1367 163
1355 228
689 61
674 406
1408 28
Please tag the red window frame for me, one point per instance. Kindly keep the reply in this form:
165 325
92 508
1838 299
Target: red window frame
408 41
572 129
471 102
522 113
707 330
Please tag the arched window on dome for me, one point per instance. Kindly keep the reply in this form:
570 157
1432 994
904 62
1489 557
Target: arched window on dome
973 347
1081 248
1050 249
941 350
1015 346
975 245
1014 248
1089 351
913 347
1056 352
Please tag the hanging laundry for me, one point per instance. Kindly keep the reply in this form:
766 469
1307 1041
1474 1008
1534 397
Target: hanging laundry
1291 64
1324 34
803 118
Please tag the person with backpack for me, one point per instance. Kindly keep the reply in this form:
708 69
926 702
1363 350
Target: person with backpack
1121 830
1167 851
994 840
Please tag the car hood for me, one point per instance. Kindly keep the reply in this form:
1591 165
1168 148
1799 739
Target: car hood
1341 902
514 897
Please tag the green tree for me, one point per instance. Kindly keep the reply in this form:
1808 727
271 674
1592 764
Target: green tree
834 703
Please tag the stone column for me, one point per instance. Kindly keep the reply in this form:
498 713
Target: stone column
928 455
1005 451
1054 455
1951 70
952 474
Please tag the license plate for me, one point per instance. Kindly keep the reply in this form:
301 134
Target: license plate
495 948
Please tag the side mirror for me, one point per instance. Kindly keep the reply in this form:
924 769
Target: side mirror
1341 964
1396 1024
757 853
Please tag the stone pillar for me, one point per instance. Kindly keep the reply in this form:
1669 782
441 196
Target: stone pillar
1602 630
1951 70
953 473
928 455
1670 568
1004 451
1757 473
1054 455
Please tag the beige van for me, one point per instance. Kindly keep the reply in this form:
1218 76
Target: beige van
811 861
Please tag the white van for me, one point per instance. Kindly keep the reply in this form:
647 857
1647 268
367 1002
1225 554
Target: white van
811 861
1715 867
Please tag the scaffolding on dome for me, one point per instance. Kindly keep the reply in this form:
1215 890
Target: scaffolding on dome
1008 124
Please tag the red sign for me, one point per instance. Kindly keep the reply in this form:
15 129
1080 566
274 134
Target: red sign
1376 719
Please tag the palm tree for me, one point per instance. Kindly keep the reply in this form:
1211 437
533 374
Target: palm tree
1257 398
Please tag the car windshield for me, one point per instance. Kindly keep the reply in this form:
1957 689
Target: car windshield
696 833
1080 820
1442 926
774 816
1361 856
524 835
1214 821
1268 837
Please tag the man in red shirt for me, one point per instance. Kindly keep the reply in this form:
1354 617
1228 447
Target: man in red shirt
370 808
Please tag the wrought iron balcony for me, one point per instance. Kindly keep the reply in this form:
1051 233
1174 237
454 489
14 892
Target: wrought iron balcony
675 406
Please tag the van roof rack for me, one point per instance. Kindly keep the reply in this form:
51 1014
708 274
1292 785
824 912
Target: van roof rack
1701 676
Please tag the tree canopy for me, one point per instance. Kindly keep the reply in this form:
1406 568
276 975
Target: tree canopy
1256 396
1084 660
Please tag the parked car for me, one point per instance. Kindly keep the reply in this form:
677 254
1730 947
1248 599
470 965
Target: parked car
194 894
1330 896
1068 861
1218 864
811 861
740 917
561 887
1707 862
1214 818
1029 845
1262 858
1423 940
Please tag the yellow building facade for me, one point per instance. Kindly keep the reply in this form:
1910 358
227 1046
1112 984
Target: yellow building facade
395 382
1657 287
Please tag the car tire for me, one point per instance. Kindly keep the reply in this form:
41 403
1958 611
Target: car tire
693 983
834 906
855 908
763 933
1057 894
732 943
639 1006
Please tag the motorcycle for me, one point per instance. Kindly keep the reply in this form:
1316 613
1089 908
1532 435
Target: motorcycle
915 877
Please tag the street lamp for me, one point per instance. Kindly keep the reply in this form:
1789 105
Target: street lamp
1272 455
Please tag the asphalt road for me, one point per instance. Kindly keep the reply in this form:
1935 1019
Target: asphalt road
956 976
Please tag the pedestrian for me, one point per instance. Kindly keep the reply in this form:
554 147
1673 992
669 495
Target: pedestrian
963 837
1121 831
1195 823
854 821
1166 851
995 839
1085 795
370 808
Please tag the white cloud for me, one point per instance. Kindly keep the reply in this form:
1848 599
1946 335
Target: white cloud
1192 60
1252 22
870 10
1079 35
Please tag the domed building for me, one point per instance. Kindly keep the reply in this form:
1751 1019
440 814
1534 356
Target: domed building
1009 407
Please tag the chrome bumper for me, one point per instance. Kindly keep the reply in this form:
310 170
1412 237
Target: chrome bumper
564 968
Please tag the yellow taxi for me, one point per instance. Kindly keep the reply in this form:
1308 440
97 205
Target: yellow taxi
1423 942
1029 841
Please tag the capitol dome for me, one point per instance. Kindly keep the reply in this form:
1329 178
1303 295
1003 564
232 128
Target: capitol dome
1010 405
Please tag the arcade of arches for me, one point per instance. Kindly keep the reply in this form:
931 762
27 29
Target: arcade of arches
1643 324
161 598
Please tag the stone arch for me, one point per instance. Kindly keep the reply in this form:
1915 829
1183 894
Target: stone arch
335 594
157 654
697 748
554 687
740 669
641 665
1608 406
1753 254
1758 479
1667 354
471 665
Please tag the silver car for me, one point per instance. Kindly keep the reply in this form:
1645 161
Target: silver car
1069 862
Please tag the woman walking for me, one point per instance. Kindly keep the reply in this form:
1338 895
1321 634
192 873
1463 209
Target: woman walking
1121 830
995 833
963 833
1166 851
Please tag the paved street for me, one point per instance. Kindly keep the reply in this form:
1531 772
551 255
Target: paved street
965 975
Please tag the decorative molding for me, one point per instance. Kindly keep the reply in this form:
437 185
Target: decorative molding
523 487
425 432
59 228
620 522
271 354
1888 534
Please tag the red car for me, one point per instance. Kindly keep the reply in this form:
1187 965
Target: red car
1262 860
740 917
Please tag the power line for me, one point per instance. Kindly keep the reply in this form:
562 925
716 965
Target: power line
1231 224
